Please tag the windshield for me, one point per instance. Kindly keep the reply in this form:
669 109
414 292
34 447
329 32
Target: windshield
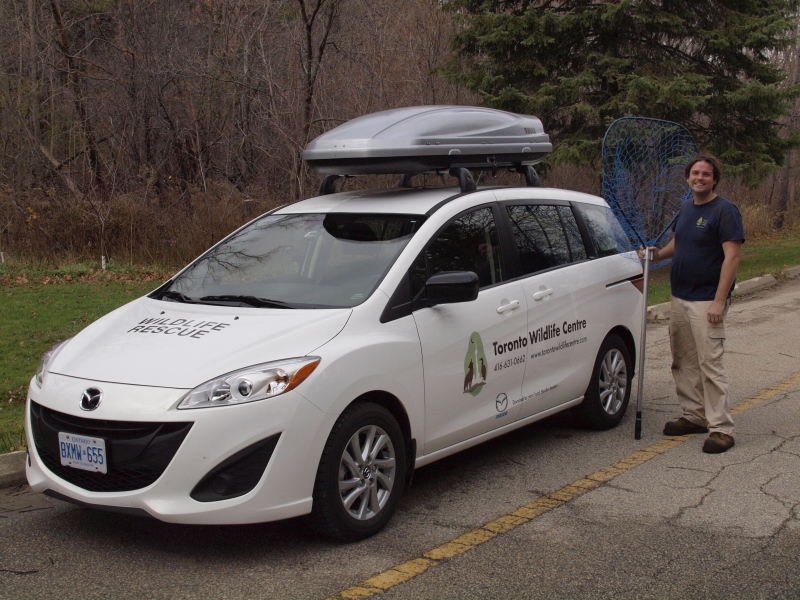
297 261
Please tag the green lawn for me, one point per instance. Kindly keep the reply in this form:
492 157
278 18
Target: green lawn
38 309
34 316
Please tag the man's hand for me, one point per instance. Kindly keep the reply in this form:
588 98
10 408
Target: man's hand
653 256
665 253
716 312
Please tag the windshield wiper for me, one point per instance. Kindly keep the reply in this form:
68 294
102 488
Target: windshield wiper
246 300
177 297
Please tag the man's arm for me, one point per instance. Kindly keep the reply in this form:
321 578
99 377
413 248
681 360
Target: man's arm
730 264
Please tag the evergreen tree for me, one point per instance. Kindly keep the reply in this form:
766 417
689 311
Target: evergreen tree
579 64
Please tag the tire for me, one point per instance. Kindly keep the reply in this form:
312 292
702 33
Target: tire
609 391
361 474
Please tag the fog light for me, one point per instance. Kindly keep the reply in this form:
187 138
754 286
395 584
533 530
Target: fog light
220 484
238 474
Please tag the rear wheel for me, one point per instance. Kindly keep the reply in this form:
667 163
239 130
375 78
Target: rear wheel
609 391
361 474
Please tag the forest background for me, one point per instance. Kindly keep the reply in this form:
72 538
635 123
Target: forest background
144 131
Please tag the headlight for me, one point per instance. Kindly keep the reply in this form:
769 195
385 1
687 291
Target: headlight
258 382
46 359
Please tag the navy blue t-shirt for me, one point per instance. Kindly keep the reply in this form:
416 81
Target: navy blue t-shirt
700 231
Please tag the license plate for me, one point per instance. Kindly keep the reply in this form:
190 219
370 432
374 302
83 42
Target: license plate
83 452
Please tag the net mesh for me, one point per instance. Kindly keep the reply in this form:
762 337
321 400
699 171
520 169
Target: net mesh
643 181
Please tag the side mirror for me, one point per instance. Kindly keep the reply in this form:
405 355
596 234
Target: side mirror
452 287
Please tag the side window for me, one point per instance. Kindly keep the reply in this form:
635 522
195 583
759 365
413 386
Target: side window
546 236
470 243
607 234
574 238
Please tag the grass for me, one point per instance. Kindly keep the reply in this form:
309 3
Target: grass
39 307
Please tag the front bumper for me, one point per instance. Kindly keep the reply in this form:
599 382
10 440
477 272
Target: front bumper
287 433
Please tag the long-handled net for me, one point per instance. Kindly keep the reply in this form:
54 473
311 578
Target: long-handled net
644 184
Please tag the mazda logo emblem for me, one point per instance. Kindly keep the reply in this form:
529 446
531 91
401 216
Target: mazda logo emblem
91 399
501 403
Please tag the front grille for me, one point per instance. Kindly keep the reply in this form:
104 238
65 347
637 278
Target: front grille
137 452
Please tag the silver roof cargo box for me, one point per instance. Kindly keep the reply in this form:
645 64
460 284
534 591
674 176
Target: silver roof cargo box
419 139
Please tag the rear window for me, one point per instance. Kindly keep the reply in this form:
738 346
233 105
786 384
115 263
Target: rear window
608 237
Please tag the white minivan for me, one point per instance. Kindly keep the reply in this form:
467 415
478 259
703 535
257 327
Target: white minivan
311 360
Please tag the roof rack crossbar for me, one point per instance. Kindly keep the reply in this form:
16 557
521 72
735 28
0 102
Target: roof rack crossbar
531 177
405 180
465 180
328 185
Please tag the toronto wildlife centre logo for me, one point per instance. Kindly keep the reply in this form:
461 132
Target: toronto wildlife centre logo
474 366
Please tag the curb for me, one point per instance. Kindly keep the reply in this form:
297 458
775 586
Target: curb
791 273
12 469
754 285
12 465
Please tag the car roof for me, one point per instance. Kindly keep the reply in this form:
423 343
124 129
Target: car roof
420 201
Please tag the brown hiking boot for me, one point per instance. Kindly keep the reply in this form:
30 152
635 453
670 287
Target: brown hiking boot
718 442
683 426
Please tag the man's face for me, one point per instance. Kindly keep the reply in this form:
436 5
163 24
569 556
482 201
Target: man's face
701 178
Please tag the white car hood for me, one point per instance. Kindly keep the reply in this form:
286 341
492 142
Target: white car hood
166 344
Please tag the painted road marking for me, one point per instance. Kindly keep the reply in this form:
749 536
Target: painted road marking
524 514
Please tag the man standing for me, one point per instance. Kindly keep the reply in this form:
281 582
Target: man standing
705 248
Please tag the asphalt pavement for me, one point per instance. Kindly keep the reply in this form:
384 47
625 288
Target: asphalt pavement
547 511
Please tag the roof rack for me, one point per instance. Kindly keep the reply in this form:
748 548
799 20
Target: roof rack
422 139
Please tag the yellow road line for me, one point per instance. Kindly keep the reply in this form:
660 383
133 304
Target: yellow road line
524 514
782 386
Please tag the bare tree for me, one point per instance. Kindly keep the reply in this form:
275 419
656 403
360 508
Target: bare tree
148 128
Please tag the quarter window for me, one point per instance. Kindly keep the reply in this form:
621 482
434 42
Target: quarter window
607 235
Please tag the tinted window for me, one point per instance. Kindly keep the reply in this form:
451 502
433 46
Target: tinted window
607 234
574 238
470 243
546 236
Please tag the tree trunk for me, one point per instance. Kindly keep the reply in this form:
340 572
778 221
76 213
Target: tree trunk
74 76
786 200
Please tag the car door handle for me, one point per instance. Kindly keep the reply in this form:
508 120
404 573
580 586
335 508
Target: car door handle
514 304
542 294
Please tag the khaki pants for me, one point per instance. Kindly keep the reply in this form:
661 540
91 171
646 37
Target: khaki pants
697 349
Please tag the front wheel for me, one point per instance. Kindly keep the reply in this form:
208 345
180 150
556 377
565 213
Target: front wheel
361 474
609 391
